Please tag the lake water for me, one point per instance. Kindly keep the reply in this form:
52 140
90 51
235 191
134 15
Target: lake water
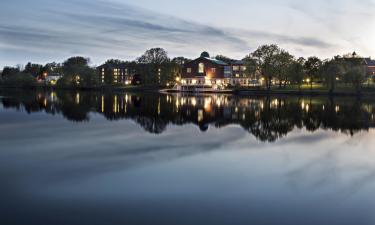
147 159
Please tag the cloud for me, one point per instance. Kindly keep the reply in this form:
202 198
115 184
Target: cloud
46 31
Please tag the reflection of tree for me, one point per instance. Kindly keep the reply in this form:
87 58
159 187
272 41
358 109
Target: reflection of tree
267 118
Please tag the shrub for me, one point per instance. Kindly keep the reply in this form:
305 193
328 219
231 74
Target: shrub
19 80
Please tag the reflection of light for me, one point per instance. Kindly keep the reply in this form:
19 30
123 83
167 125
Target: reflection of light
337 108
183 101
207 104
218 102
115 104
200 115
103 103
126 98
324 107
194 101
307 107
53 96
159 110
303 105
77 98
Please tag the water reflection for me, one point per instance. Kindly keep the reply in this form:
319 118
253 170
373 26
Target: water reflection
267 118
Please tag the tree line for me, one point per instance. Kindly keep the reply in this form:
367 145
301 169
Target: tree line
267 118
274 66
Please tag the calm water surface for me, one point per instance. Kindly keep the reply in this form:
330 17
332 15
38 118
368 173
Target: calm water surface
91 158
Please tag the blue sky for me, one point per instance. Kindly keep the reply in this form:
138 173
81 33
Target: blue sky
51 30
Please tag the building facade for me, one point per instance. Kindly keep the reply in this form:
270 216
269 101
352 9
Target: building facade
116 73
370 64
206 72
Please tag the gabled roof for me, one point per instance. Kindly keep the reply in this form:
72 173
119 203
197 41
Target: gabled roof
369 62
216 61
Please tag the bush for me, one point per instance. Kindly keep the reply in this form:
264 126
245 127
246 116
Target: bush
19 80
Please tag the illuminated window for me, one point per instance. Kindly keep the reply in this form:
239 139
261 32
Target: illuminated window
201 68
188 70
236 68
237 75
213 70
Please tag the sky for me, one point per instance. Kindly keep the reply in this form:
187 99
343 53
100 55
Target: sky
44 31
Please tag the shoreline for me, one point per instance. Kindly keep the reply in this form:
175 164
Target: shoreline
239 92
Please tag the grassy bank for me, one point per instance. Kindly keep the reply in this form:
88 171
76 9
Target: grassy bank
316 89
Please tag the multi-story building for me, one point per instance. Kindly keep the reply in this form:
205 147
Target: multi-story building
206 72
116 73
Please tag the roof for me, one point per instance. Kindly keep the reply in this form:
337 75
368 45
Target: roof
237 62
216 61
369 62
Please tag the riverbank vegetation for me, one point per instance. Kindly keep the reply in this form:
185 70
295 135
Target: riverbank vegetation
269 66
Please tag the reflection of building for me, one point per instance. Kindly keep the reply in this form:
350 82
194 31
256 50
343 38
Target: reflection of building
113 73
206 72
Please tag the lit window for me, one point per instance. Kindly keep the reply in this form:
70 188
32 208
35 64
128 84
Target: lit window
237 75
201 68
213 70
236 68
188 70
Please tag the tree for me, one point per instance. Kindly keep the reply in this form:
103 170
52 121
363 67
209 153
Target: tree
296 72
312 67
355 72
114 61
181 61
252 67
9 71
330 71
78 73
282 63
265 56
19 79
155 56
224 58
33 69
152 62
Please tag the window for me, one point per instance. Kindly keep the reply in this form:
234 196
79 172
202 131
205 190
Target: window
213 70
236 68
201 68
237 75
188 70
243 68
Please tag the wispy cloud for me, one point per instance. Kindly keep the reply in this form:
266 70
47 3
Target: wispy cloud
53 30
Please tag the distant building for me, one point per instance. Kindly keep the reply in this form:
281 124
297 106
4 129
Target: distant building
206 72
116 73
370 64
49 78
